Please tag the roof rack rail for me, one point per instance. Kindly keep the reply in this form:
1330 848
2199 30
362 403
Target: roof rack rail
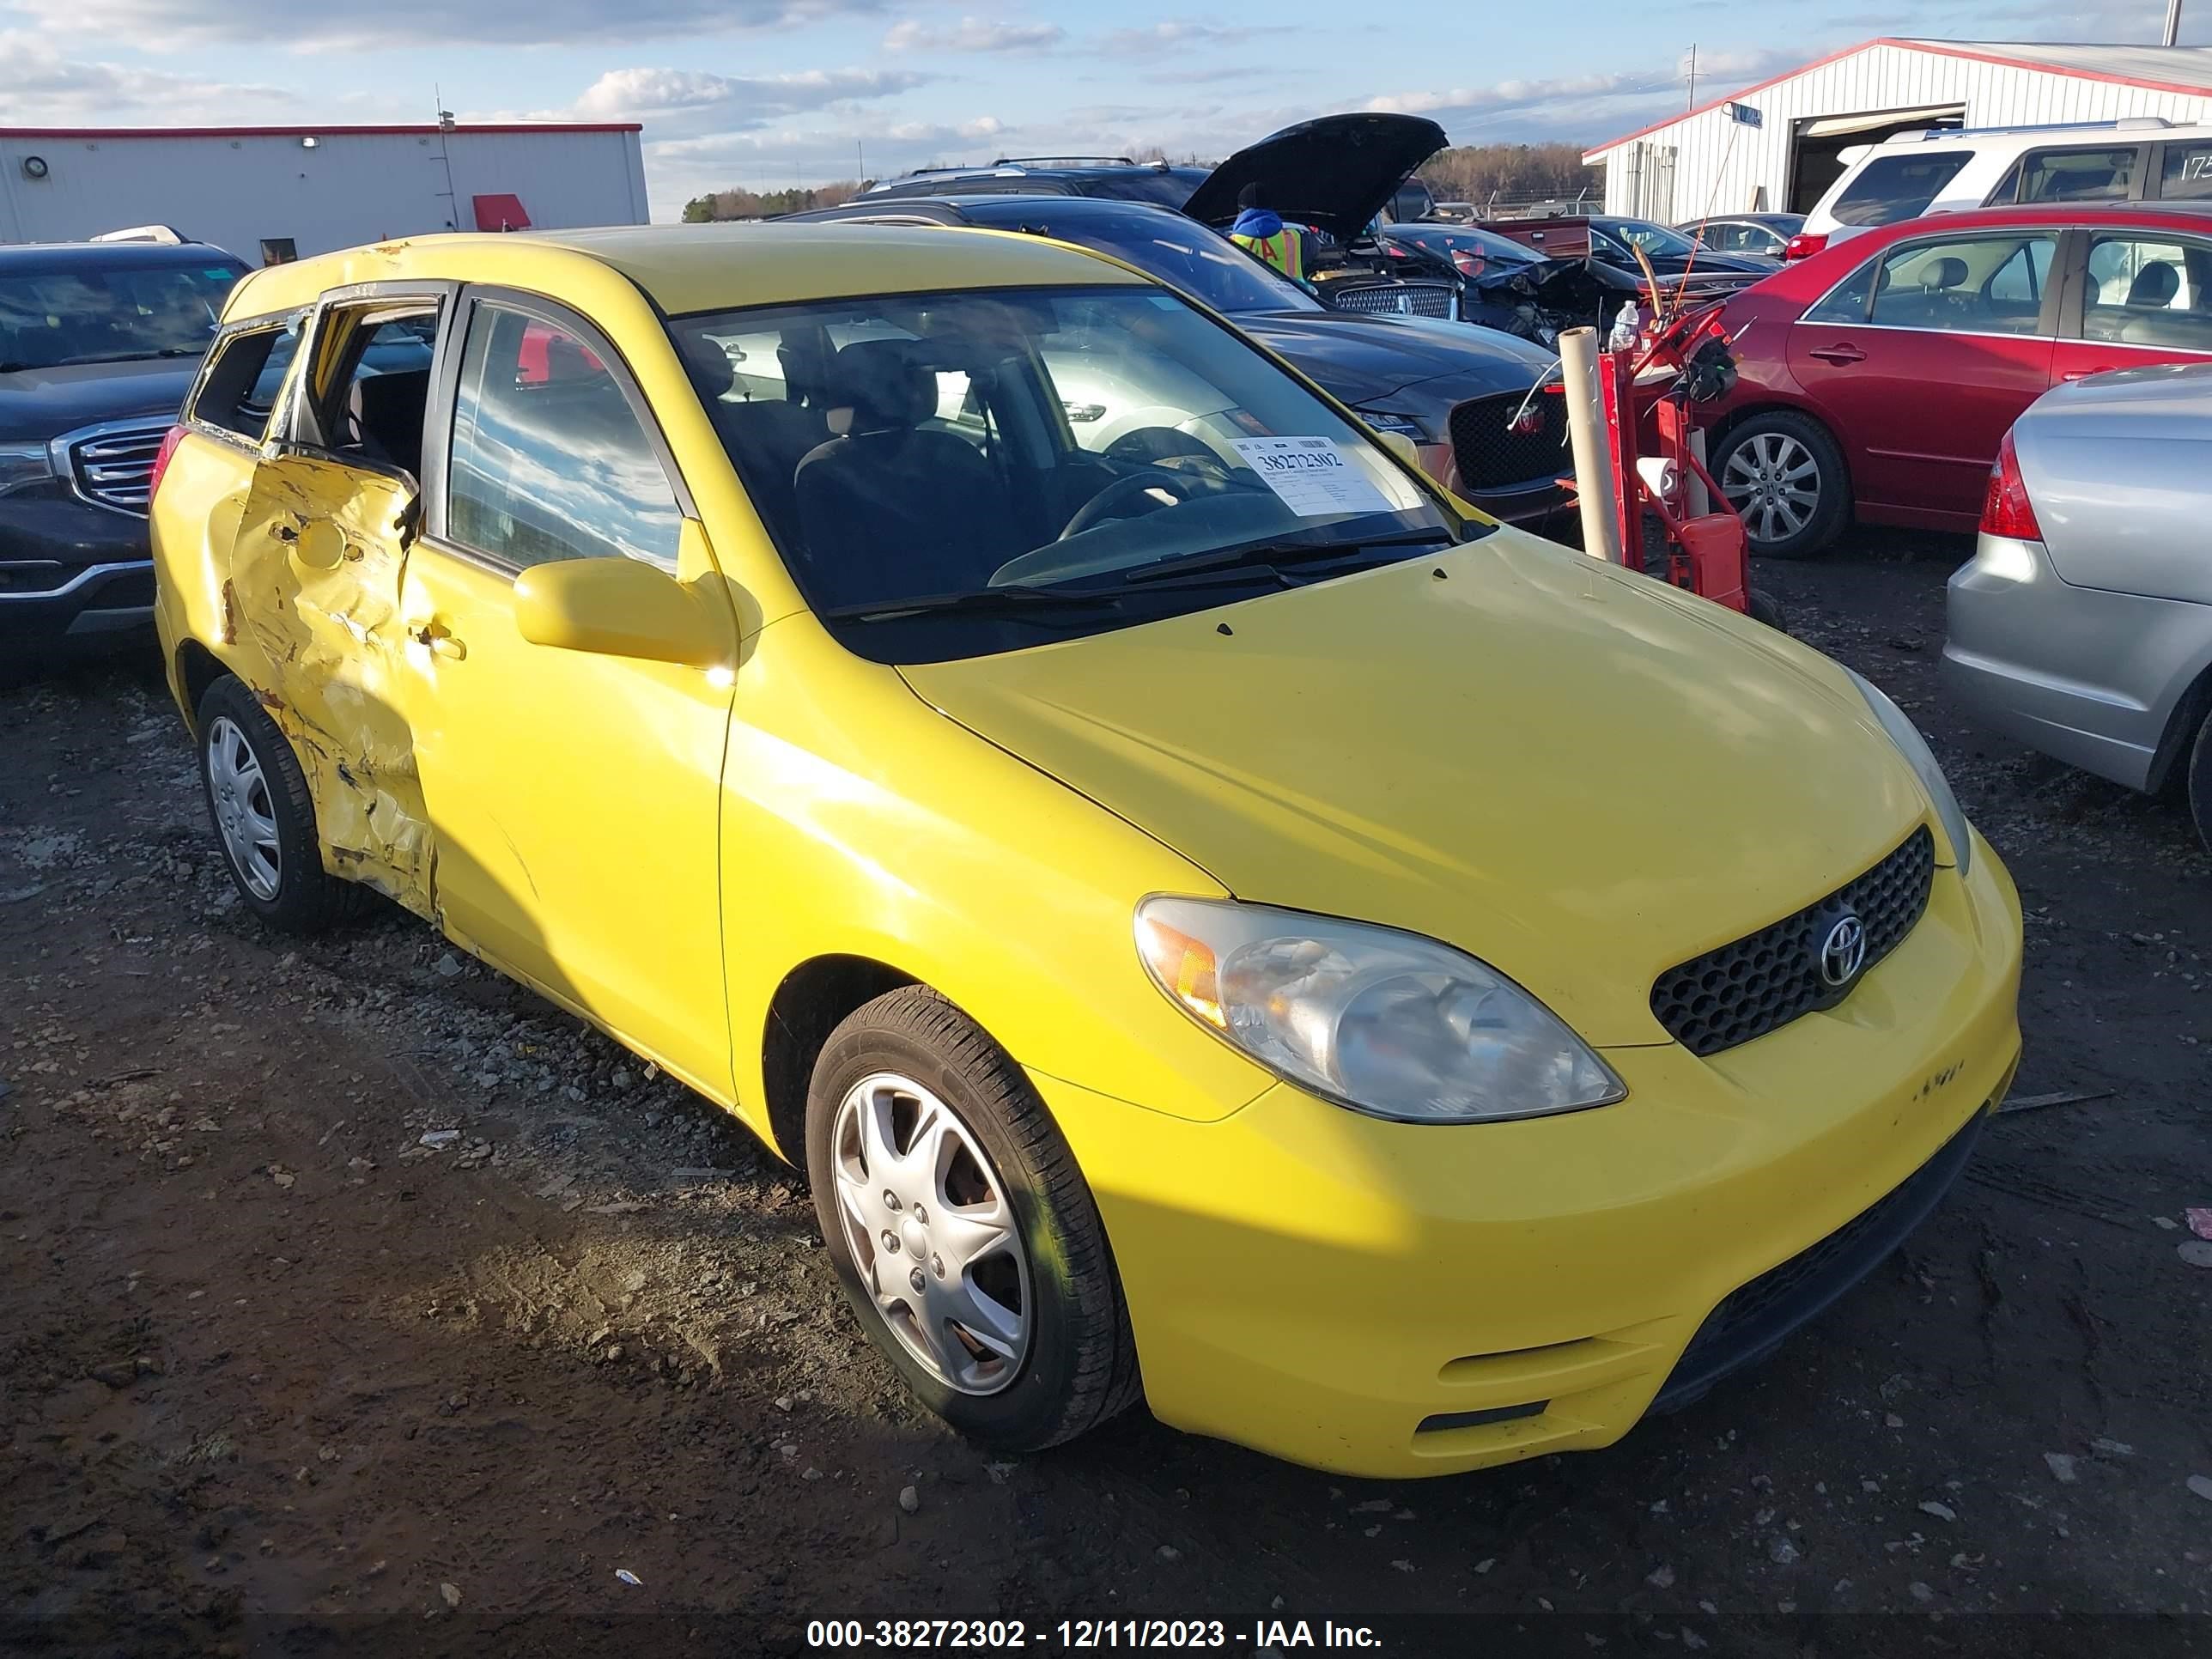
1063 161
2124 124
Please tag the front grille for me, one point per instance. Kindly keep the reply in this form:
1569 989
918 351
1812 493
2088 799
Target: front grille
112 464
1395 299
1751 1323
1492 455
1767 979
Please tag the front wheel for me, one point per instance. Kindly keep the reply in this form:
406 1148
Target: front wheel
963 1235
1783 473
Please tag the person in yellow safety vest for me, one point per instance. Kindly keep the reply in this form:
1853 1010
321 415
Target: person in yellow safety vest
1261 233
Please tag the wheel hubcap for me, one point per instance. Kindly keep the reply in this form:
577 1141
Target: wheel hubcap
244 816
1773 481
915 1187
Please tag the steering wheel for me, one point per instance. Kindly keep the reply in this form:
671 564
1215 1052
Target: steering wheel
1108 502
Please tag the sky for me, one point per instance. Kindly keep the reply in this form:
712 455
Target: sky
766 94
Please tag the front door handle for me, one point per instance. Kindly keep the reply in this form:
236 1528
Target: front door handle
2084 374
1839 355
439 640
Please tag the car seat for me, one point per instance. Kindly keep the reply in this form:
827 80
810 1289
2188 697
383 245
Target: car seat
889 509
384 418
766 438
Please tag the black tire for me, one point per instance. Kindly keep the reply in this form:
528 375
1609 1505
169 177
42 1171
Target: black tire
1831 507
2200 783
1761 609
305 899
1080 1366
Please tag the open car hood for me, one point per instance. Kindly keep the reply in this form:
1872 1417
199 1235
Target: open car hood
1335 173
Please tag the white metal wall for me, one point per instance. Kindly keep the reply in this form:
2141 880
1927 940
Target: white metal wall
1721 164
351 188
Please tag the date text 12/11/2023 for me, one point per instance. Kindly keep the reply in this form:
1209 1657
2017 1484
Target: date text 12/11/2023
1006 1635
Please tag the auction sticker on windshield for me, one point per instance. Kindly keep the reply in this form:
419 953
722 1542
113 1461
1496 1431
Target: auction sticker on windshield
1312 475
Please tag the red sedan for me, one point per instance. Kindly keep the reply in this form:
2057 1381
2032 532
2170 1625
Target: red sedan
1878 376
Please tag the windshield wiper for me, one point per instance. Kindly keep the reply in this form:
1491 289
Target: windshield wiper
1275 554
1014 597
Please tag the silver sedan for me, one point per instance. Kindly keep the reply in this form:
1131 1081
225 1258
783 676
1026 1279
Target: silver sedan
2084 626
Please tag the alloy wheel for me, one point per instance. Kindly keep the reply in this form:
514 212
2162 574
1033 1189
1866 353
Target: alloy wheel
244 813
1774 482
932 1233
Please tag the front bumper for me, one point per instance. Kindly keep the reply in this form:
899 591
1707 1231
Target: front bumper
1392 1300
71 573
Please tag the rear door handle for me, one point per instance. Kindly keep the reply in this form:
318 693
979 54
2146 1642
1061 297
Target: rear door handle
1839 355
2083 373
439 639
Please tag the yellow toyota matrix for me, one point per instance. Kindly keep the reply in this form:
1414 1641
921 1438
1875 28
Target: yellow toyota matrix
1218 920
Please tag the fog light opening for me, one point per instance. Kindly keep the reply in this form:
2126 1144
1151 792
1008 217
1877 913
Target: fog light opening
1443 1421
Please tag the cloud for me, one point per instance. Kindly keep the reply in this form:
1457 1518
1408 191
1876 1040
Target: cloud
43 85
683 103
1585 107
973 34
1181 32
531 22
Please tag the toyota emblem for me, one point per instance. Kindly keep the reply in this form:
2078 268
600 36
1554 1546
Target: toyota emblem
1843 953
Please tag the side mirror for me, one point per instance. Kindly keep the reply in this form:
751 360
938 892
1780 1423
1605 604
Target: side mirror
1402 447
618 607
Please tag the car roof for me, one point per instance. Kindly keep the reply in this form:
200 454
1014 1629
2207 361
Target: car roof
918 184
62 256
2197 216
712 267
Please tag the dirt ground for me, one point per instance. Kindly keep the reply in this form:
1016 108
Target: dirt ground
277 1379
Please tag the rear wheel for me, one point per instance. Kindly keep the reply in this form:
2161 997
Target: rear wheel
263 814
963 1235
1783 473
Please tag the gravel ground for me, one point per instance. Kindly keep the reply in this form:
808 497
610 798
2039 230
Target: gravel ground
279 1377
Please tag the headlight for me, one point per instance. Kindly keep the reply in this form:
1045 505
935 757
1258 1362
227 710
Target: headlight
1385 1022
1914 747
1383 420
23 464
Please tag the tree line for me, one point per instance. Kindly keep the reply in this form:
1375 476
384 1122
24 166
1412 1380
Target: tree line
1466 173
738 203
1474 172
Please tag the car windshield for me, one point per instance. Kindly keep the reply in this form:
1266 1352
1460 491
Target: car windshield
1180 251
1656 240
951 474
52 318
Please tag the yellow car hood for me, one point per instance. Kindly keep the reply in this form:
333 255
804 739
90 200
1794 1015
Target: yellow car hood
1570 771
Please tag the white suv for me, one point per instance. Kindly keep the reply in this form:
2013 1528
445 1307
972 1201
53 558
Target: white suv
1938 170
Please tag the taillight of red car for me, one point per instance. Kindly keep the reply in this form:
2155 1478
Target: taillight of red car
170 439
2006 509
1803 245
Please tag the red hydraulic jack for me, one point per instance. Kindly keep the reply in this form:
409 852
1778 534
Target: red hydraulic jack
1666 515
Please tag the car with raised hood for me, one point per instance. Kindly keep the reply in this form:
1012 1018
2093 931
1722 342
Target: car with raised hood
2083 626
1875 380
1219 922
1466 398
98 342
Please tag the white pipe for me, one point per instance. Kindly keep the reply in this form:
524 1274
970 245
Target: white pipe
1586 436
